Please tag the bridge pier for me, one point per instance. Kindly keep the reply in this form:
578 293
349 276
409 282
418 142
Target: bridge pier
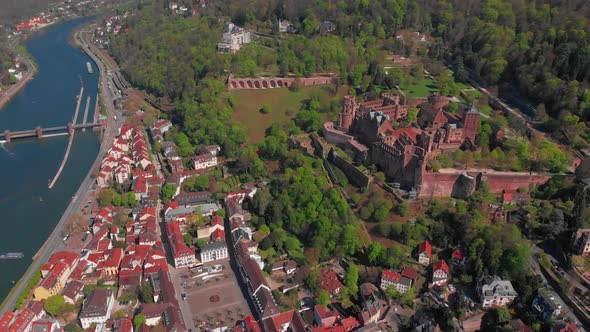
7 136
39 132
70 129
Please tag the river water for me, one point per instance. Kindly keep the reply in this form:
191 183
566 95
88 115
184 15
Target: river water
28 209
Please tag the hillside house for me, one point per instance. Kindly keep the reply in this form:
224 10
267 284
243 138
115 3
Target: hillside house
495 292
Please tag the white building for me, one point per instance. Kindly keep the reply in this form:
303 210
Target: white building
96 308
495 292
213 251
204 161
233 38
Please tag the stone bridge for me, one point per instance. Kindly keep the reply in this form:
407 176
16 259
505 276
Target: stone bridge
274 82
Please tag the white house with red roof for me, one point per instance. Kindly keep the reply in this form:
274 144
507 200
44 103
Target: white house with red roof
181 253
440 273
72 293
394 279
424 253
22 321
287 321
45 325
204 161
329 281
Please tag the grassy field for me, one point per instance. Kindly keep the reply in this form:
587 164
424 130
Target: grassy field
420 88
284 105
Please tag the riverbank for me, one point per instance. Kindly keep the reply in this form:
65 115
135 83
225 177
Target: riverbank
18 86
54 241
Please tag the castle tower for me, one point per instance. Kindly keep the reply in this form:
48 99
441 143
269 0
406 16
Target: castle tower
437 101
348 112
470 123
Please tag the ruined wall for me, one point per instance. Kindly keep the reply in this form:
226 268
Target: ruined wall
458 184
274 82
355 176
500 182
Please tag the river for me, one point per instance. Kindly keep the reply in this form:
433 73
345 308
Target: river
28 209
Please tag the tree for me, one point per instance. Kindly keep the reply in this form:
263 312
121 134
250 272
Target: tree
119 314
402 209
138 321
188 239
106 197
323 297
376 253
168 191
502 315
351 278
146 293
382 211
265 108
53 304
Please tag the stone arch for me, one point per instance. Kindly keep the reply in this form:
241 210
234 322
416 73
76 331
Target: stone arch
273 84
280 83
257 84
265 84
249 84
234 84
242 85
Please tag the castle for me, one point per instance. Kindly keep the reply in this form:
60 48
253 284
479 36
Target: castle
365 131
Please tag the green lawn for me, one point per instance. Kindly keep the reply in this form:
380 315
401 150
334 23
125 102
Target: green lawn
284 105
420 88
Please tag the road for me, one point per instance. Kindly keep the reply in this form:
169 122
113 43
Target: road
54 242
567 311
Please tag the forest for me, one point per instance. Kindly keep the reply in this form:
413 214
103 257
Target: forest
537 48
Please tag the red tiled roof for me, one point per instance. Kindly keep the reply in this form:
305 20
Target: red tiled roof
391 275
22 321
216 220
290 318
440 265
458 254
329 281
217 234
425 247
410 273
6 320
251 324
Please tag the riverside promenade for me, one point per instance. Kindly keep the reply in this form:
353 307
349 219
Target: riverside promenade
54 242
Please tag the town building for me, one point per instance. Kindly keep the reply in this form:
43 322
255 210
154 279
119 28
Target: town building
181 253
288 321
424 253
233 38
495 292
55 274
285 26
45 325
204 161
213 251
329 281
97 307
394 279
546 304
440 273
73 291
581 241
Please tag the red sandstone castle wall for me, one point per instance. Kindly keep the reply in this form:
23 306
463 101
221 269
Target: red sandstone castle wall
500 182
274 82
442 184
437 184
